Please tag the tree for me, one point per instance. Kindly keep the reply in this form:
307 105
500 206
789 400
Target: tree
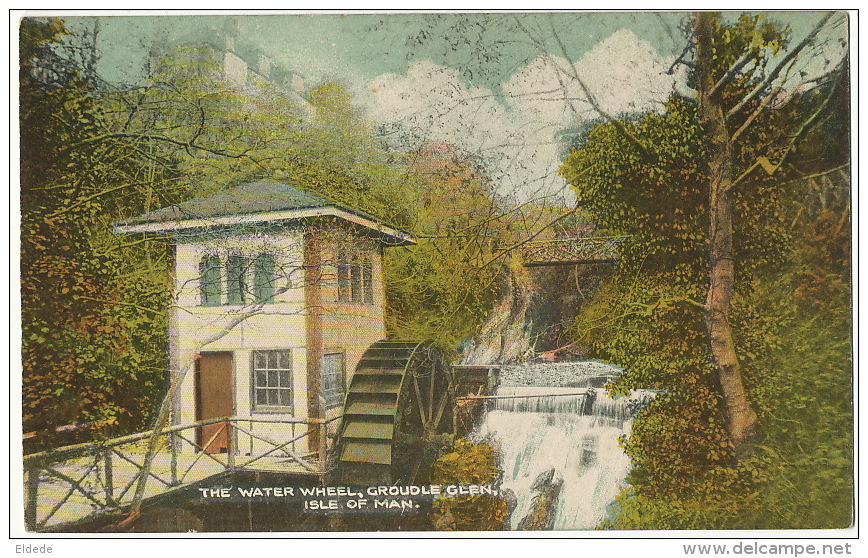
712 50
738 135
742 420
91 343
713 242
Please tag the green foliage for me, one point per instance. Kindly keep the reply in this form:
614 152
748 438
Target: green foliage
93 344
678 444
442 288
797 337
467 463
663 204
750 37
790 311
795 350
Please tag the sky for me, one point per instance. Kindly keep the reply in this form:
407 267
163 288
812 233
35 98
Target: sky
498 86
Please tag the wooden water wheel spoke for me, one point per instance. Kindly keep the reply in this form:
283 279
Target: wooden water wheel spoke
431 401
419 398
391 414
440 410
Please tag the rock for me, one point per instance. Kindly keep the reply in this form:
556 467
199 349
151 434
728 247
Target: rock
548 486
511 500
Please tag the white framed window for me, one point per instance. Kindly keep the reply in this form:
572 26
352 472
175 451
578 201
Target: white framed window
355 278
209 280
272 381
331 374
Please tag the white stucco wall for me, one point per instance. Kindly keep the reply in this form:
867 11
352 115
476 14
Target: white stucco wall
279 325
347 327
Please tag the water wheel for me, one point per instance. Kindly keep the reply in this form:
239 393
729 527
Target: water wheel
398 406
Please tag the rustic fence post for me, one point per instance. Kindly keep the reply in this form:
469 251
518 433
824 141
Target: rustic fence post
32 494
455 418
109 485
231 446
174 442
323 445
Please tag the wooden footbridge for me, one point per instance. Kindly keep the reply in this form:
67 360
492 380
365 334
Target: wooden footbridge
572 251
74 484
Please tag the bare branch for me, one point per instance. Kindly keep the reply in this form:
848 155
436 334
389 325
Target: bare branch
788 59
797 135
727 77
188 145
527 239
573 74
680 59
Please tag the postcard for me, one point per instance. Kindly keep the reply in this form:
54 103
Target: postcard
512 272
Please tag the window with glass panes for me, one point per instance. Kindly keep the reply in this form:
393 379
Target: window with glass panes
209 281
331 370
355 279
272 380
367 281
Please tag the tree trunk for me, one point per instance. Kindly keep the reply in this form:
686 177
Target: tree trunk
742 424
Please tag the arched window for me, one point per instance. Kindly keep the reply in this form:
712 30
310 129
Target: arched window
343 278
263 279
367 281
236 282
355 279
209 281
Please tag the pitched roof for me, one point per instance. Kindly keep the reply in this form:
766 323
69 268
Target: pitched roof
251 202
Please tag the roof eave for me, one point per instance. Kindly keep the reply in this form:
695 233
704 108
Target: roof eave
397 237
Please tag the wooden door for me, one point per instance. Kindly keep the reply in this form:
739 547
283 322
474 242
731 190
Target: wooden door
214 399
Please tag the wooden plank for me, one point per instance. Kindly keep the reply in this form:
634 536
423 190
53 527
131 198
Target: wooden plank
367 429
214 398
367 451
364 408
370 387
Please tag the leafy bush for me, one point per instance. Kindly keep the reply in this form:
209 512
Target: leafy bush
467 463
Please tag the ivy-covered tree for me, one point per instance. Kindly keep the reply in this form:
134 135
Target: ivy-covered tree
711 225
92 350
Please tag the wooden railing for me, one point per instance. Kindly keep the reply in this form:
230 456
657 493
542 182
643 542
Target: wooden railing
76 482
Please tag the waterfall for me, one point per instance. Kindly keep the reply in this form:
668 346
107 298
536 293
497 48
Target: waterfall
569 429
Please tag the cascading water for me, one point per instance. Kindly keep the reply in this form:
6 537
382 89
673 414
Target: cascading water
564 422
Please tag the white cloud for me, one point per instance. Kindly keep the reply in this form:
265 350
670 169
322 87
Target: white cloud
622 73
517 137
